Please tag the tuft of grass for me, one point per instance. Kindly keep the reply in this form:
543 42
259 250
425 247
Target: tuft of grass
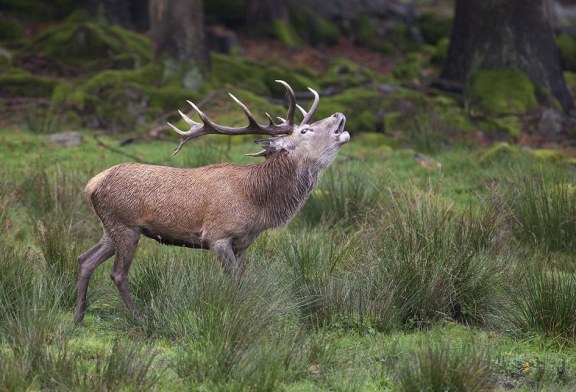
437 263
327 291
441 367
546 304
544 209
341 197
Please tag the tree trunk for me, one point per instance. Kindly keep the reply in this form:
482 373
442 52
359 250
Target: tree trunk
511 34
177 32
264 12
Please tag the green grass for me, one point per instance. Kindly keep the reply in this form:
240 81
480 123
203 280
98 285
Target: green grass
394 276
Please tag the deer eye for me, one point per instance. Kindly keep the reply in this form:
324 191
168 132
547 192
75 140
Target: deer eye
304 130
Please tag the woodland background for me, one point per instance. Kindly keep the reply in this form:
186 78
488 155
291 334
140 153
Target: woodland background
437 253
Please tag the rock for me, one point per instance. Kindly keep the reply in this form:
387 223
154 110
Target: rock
66 139
551 122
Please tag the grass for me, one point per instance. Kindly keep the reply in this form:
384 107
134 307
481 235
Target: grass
394 276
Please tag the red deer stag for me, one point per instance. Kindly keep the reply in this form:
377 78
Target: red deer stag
221 207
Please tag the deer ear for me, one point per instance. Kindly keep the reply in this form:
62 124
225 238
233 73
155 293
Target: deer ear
274 144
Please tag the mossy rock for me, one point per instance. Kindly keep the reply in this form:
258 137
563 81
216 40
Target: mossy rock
312 27
92 46
298 82
567 48
346 73
551 156
237 71
501 91
411 67
434 27
451 115
120 100
502 151
360 105
19 83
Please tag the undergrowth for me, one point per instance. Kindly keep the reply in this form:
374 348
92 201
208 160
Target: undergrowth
368 261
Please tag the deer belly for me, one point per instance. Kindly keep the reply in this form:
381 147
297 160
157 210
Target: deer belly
190 240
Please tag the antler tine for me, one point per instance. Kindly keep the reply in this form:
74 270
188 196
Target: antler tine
302 110
251 120
291 101
308 116
253 128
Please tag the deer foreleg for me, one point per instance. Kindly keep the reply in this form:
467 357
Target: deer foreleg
225 253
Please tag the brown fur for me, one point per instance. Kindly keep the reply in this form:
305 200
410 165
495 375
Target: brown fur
221 207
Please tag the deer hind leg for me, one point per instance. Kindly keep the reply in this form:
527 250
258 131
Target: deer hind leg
88 262
125 241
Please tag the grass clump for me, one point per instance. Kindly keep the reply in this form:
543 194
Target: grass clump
544 210
340 198
437 263
441 367
546 304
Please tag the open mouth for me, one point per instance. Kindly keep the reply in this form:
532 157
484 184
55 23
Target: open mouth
341 124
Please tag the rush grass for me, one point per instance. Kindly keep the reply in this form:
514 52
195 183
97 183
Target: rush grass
386 254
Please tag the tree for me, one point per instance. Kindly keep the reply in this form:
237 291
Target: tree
505 34
265 12
177 33
270 18
130 14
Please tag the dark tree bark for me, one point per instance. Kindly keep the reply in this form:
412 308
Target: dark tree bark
130 14
177 32
265 12
511 34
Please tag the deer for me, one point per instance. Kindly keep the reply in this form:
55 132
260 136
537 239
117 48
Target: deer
221 207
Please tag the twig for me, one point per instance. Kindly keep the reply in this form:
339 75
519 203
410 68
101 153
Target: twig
120 152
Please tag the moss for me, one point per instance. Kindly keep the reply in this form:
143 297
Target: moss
502 151
119 99
92 46
366 30
501 91
434 27
297 81
360 106
438 57
411 67
285 34
19 83
567 48
237 71
346 73
451 114
551 156
311 27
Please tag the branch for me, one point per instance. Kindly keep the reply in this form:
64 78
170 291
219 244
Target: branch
120 152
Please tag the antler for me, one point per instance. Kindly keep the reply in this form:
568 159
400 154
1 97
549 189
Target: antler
208 127
308 115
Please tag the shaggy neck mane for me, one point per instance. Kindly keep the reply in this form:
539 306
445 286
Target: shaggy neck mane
280 185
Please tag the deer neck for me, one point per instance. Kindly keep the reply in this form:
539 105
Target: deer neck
280 185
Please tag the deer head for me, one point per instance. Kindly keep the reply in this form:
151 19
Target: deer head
316 143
